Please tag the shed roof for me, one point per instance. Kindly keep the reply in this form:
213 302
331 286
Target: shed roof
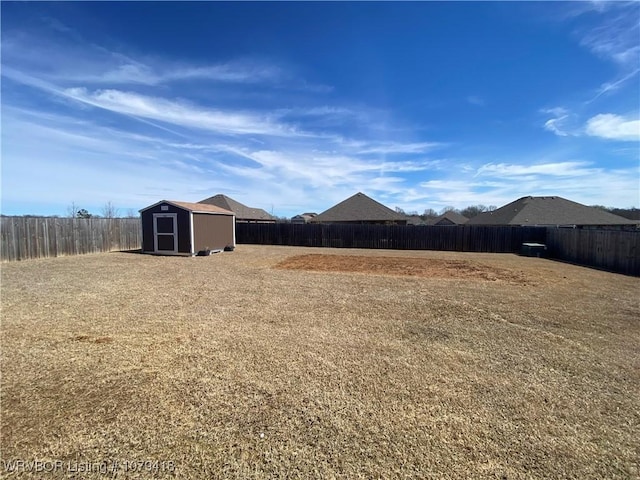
193 207
548 211
359 208
242 211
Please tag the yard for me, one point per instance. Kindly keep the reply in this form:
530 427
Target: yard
285 362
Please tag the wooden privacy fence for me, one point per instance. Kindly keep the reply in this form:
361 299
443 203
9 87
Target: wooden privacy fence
453 238
613 250
37 237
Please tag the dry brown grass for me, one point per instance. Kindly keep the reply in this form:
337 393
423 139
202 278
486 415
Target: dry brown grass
231 368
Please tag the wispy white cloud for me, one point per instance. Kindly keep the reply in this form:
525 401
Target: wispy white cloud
170 111
398 147
555 125
476 100
57 61
614 38
615 84
138 73
439 193
614 127
557 169
201 167
557 111
318 111
578 180
87 165
498 184
322 169
559 124
605 125
180 113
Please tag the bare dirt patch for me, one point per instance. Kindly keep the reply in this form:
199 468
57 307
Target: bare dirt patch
231 368
403 266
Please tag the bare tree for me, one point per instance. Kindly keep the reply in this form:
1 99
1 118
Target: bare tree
448 208
473 210
131 213
109 210
429 213
72 210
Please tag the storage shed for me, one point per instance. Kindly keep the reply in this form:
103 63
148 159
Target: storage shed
183 228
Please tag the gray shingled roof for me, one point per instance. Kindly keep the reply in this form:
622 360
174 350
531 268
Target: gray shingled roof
448 218
359 208
242 211
548 211
416 220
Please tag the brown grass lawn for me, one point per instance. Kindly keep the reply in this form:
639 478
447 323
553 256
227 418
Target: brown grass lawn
282 362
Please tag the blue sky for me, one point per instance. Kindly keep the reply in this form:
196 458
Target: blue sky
293 107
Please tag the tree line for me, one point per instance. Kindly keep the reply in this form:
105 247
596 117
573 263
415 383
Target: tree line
108 210
632 213
469 212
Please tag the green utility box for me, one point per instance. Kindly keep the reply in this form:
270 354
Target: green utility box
533 249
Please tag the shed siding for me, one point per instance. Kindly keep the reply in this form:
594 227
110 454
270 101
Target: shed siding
184 232
212 231
147 231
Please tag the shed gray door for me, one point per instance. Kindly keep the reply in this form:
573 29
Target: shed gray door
165 232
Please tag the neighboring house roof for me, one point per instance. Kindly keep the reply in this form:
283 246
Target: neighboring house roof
359 208
192 207
242 211
304 217
415 220
449 218
548 211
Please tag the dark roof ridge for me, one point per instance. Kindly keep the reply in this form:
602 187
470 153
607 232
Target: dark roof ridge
241 210
548 210
358 207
